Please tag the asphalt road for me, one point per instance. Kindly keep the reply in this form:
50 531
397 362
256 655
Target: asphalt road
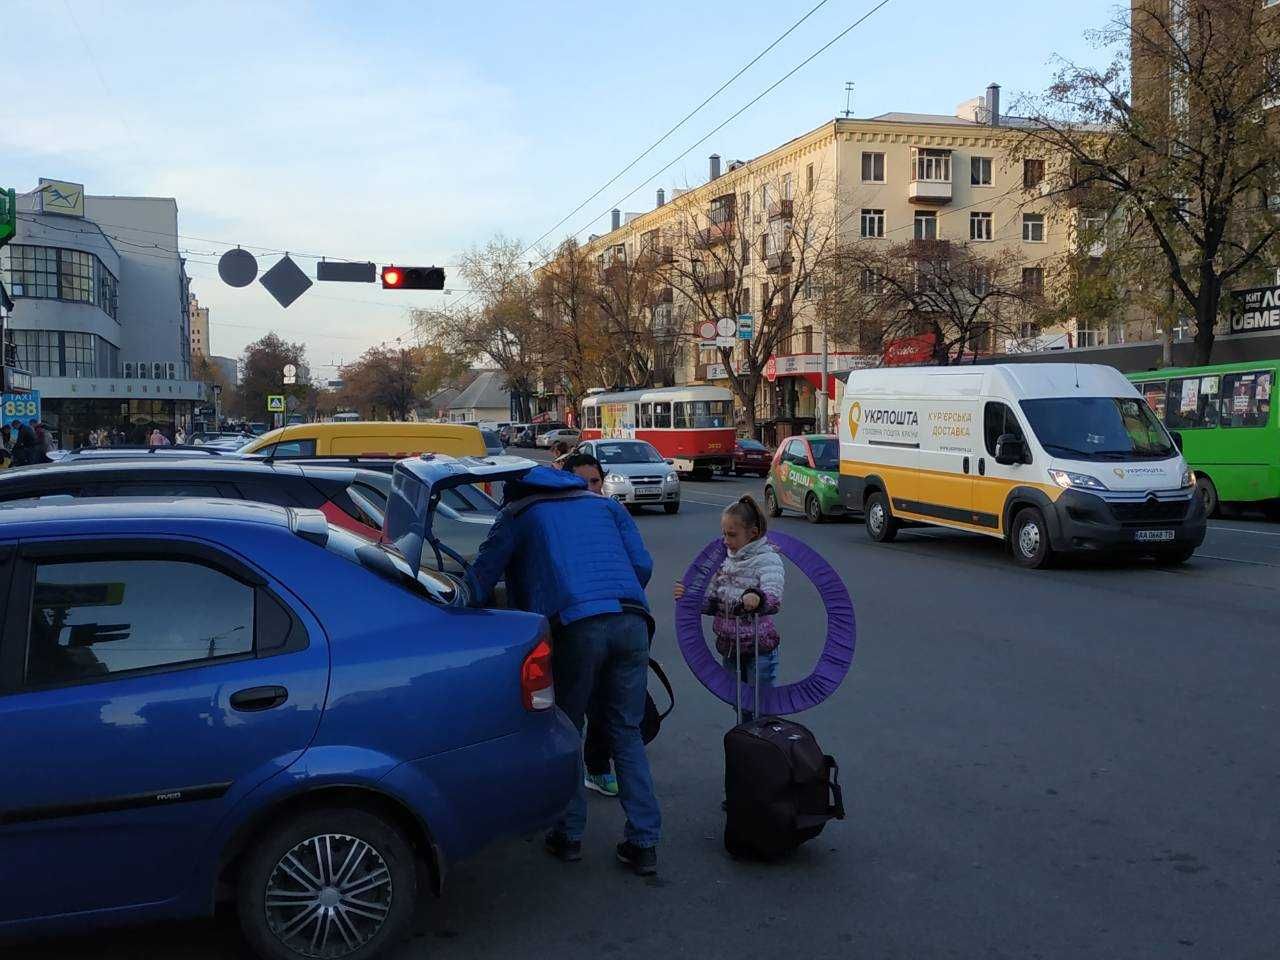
1072 763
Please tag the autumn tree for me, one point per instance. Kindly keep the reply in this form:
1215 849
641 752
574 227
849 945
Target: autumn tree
754 249
498 324
1185 144
390 381
635 306
263 364
575 349
208 373
961 302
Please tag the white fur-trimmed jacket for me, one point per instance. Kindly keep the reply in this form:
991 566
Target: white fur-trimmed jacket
756 568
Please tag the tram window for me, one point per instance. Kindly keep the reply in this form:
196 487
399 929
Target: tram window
662 416
681 418
646 416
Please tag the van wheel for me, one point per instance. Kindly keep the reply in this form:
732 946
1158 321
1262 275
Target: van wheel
1172 558
338 883
813 509
771 503
1208 496
880 523
1029 539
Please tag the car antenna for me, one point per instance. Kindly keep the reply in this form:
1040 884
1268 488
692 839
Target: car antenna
1076 367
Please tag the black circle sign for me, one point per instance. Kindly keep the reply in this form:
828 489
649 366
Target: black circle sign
237 268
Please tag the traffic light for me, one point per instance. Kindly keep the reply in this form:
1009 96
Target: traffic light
412 278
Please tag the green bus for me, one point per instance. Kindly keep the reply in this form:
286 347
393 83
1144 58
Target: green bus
1229 427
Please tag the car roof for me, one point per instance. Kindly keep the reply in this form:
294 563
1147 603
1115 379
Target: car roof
211 467
43 511
371 428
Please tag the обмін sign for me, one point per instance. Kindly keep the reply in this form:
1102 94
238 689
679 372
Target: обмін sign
1259 310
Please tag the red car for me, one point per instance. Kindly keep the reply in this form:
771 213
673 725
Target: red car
751 456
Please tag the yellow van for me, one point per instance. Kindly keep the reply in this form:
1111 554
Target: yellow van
369 439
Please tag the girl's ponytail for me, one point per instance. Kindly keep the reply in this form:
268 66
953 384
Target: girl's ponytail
747 512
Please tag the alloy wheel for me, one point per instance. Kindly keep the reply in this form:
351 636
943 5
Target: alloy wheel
328 896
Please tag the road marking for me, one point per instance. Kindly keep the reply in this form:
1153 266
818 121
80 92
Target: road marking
1252 563
1256 533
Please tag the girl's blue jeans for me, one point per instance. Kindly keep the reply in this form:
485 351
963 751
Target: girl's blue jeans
765 663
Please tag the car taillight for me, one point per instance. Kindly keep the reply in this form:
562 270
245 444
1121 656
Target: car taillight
537 688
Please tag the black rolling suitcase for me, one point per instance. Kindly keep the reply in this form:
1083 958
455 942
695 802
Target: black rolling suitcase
780 788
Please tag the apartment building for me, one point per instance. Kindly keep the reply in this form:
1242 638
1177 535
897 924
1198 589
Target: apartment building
877 181
198 319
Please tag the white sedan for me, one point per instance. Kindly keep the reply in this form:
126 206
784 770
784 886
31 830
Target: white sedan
551 436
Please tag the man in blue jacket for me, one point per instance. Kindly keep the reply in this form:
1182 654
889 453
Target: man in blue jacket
577 558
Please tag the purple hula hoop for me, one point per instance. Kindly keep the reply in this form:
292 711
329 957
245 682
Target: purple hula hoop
837 653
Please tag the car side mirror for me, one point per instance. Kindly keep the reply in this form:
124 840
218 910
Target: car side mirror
670 461
1011 451
1177 439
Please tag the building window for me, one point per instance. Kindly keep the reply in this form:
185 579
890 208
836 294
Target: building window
786 187
1033 281
869 282
745 200
873 167
33 271
872 223
980 226
1089 333
979 280
1032 173
766 246
933 165
808 178
59 274
1033 227
806 289
55 353
76 276
746 299
926 225
980 171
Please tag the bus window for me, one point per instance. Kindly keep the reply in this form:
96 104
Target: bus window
646 416
1246 399
1154 392
662 416
1192 403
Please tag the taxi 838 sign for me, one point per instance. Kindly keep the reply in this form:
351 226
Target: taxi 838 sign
19 406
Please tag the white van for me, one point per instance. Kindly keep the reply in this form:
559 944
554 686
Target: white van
1051 457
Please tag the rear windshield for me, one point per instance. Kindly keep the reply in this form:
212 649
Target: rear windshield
752 445
390 566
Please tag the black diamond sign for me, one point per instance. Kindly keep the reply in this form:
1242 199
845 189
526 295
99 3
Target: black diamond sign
285 281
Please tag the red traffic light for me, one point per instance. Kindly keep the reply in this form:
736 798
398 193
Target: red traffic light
412 278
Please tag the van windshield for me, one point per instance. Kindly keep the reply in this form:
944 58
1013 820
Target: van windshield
1098 428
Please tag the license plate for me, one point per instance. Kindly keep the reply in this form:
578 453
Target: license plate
1146 536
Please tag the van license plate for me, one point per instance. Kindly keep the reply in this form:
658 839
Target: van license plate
1146 536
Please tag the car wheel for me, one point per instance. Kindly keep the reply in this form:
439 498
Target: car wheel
1029 539
771 503
880 523
671 507
813 509
338 883
1208 496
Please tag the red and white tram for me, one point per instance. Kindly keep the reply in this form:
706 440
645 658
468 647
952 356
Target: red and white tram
692 426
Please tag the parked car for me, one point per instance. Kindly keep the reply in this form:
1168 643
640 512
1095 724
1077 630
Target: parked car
529 436
223 439
368 438
137 454
751 456
805 476
635 473
349 496
245 744
566 434
493 445
511 432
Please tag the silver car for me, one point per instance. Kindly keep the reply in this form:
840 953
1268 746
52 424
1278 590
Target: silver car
635 473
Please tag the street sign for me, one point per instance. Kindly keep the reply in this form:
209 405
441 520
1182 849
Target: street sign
275 403
746 326
285 281
771 369
290 374
8 215
20 406
726 327
346 272
707 333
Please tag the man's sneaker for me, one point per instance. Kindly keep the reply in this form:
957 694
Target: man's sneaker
605 784
562 848
642 860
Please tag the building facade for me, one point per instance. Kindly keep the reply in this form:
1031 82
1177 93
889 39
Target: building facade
198 320
871 183
100 314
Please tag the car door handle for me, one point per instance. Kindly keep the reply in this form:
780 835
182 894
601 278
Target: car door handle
966 464
982 466
258 698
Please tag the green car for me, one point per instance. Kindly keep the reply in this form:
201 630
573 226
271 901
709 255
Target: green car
805 476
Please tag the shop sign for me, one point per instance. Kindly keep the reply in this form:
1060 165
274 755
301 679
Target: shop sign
1259 309
20 406
909 350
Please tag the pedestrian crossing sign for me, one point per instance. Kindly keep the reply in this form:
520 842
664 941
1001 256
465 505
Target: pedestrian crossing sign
275 403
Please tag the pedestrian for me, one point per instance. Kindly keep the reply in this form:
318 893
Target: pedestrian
6 447
157 439
559 450
578 560
180 437
40 451
596 756
24 444
748 586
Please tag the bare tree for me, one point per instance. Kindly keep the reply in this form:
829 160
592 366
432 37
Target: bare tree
754 250
568 306
961 302
634 303
1189 152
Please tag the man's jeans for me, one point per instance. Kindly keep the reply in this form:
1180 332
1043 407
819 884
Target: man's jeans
610 655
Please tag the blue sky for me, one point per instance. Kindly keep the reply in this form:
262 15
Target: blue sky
408 131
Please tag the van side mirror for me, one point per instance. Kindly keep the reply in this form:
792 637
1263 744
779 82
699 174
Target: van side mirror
1010 450
1177 439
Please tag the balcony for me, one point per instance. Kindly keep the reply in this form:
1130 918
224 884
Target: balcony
929 191
782 210
720 280
716 233
779 263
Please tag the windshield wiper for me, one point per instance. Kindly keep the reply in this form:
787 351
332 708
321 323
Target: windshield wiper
1071 450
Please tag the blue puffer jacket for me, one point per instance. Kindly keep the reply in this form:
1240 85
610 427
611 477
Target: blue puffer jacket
566 557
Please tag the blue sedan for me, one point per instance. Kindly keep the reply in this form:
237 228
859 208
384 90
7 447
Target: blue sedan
206 697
